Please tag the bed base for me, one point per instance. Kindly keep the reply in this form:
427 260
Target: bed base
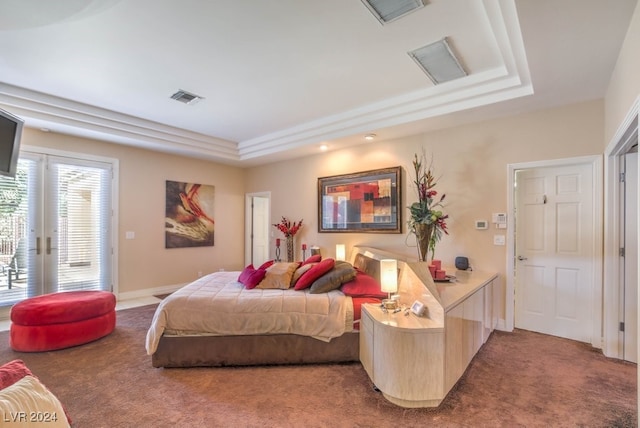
219 351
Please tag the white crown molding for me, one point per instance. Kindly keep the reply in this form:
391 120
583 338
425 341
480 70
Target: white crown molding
44 108
509 80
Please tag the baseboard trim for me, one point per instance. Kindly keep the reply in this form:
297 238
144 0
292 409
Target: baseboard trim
149 292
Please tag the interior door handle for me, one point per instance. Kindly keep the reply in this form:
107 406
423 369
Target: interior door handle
521 258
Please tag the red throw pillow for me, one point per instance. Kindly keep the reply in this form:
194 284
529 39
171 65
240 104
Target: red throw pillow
255 278
266 264
246 273
12 372
313 259
314 273
251 277
363 285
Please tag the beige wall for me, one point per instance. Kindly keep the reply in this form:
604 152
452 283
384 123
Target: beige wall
144 262
624 87
472 161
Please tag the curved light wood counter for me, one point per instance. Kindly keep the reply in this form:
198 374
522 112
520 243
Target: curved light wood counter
415 361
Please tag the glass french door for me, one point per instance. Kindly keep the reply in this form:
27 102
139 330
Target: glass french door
55 227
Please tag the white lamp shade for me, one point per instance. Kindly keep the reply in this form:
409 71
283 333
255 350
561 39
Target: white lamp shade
340 252
389 275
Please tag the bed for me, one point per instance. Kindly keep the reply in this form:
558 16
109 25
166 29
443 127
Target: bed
219 321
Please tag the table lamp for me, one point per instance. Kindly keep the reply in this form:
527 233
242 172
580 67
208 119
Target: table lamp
340 252
389 281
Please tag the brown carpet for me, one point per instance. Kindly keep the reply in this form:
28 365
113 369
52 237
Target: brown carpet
518 379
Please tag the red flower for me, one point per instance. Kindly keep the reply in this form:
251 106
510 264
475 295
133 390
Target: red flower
287 227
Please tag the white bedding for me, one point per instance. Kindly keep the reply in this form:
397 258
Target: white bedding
217 304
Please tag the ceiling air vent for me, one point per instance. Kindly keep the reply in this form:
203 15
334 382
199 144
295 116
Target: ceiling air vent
389 10
186 97
438 61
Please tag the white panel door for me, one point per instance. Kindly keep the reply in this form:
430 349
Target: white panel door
260 230
555 251
630 259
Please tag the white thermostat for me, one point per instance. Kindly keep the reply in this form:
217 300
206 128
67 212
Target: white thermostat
482 224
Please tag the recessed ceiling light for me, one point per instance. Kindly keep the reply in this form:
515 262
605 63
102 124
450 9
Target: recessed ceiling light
324 147
370 137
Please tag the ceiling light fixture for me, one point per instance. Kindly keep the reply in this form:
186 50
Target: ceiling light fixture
324 147
186 97
389 10
438 62
370 137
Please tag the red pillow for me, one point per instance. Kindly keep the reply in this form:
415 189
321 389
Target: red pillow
255 278
363 286
313 259
251 277
12 372
15 370
266 264
246 272
314 273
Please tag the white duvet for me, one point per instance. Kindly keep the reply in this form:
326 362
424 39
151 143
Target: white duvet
217 304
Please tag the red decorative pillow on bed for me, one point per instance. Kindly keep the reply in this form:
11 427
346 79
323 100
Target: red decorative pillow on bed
314 273
246 272
301 271
250 276
363 285
316 258
267 264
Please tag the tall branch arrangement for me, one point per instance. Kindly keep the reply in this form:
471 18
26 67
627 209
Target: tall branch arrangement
428 209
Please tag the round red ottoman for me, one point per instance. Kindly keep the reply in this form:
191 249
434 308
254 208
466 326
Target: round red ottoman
61 320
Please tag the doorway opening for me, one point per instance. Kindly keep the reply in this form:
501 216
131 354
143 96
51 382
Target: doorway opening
257 223
621 243
57 217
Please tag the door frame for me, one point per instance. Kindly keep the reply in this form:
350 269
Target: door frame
115 208
619 144
596 169
115 213
247 221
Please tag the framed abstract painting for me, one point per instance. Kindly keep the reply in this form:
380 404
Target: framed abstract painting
188 215
361 202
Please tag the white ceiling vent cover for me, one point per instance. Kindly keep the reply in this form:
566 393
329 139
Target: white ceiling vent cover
438 61
186 97
389 10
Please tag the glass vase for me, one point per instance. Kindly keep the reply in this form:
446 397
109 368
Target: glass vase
424 233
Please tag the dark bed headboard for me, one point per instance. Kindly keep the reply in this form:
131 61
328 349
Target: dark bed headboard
368 265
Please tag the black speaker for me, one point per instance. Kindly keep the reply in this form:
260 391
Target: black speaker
462 263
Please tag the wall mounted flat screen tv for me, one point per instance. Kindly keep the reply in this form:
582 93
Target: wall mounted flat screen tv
10 134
